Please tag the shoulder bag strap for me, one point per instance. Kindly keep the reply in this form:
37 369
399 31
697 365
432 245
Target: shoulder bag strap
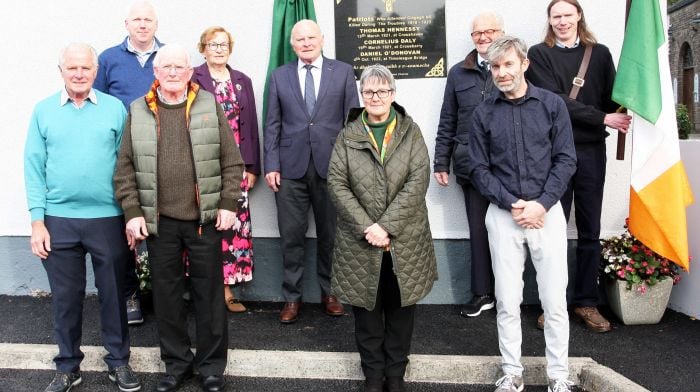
579 79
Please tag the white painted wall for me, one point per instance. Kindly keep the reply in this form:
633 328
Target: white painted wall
34 31
684 297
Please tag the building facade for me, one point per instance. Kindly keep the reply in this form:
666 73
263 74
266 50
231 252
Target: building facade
684 52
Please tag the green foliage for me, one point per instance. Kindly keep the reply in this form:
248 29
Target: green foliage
685 126
143 270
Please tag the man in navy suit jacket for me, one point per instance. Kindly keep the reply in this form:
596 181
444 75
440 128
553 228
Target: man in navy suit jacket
307 105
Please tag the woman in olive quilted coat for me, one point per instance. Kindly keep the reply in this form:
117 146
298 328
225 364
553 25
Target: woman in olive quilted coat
383 260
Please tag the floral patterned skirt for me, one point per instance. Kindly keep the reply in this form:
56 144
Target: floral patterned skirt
237 243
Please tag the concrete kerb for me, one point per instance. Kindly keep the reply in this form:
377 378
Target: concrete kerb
452 369
596 377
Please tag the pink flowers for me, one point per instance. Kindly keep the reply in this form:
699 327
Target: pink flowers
626 258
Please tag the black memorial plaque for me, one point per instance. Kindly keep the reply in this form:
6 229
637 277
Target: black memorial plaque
406 36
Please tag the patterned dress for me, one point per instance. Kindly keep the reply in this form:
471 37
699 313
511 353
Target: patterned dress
236 243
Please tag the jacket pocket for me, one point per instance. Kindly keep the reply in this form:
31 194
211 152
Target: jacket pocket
460 158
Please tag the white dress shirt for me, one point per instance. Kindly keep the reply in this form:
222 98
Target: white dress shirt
315 72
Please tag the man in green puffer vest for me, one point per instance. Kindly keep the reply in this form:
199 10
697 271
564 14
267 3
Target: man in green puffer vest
177 180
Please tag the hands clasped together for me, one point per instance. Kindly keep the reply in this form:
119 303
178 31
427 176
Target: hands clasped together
528 214
377 236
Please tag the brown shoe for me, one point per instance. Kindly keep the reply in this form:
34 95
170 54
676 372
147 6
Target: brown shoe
540 322
593 319
332 306
289 312
234 305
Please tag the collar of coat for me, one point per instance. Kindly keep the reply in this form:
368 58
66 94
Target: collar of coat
355 113
357 136
470 61
152 98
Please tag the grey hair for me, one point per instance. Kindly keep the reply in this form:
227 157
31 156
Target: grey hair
303 21
140 3
170 49
377 72
74 46
500 46
491 15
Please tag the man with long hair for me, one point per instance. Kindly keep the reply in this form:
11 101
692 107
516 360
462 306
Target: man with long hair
554 65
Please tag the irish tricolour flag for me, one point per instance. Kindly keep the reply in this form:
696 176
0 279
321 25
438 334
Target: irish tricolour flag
660 191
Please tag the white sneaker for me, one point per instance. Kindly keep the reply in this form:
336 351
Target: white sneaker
510 383
560 385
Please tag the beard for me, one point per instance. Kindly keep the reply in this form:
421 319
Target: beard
513 86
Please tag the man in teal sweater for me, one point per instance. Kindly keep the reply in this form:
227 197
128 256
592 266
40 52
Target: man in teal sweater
70 154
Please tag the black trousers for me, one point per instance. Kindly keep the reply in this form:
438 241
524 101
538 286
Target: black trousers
481 270
169 284
383 335
293 201
71 239
586 191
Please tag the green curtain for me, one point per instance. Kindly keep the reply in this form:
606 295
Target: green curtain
285 14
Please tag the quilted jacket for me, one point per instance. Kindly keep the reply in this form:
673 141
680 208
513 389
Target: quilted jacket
393 195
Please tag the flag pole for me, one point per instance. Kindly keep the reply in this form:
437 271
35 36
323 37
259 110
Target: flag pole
621 136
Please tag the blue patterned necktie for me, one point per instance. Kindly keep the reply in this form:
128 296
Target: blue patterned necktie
309 90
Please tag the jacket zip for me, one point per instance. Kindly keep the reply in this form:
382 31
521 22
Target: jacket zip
155 172
196 178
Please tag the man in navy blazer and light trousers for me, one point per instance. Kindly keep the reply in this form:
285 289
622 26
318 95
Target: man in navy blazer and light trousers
307 105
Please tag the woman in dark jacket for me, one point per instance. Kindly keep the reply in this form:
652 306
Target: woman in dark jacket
234 92
383 260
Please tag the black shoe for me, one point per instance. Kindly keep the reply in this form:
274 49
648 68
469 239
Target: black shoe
125 378
63 382
395 384
213 383
170 382
373 385
478 304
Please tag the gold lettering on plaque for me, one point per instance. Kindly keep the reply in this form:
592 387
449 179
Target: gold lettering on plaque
389 5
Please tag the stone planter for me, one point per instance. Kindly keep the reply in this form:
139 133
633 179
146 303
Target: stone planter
633 307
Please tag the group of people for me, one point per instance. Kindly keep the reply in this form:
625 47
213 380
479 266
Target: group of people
142 146
523 155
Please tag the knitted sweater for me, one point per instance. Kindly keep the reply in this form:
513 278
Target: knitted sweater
120 74
555 68
69 158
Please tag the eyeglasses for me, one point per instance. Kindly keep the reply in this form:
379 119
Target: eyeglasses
368 94
179 69
488 33
213 46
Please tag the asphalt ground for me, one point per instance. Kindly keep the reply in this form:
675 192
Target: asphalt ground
661 357
26 380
